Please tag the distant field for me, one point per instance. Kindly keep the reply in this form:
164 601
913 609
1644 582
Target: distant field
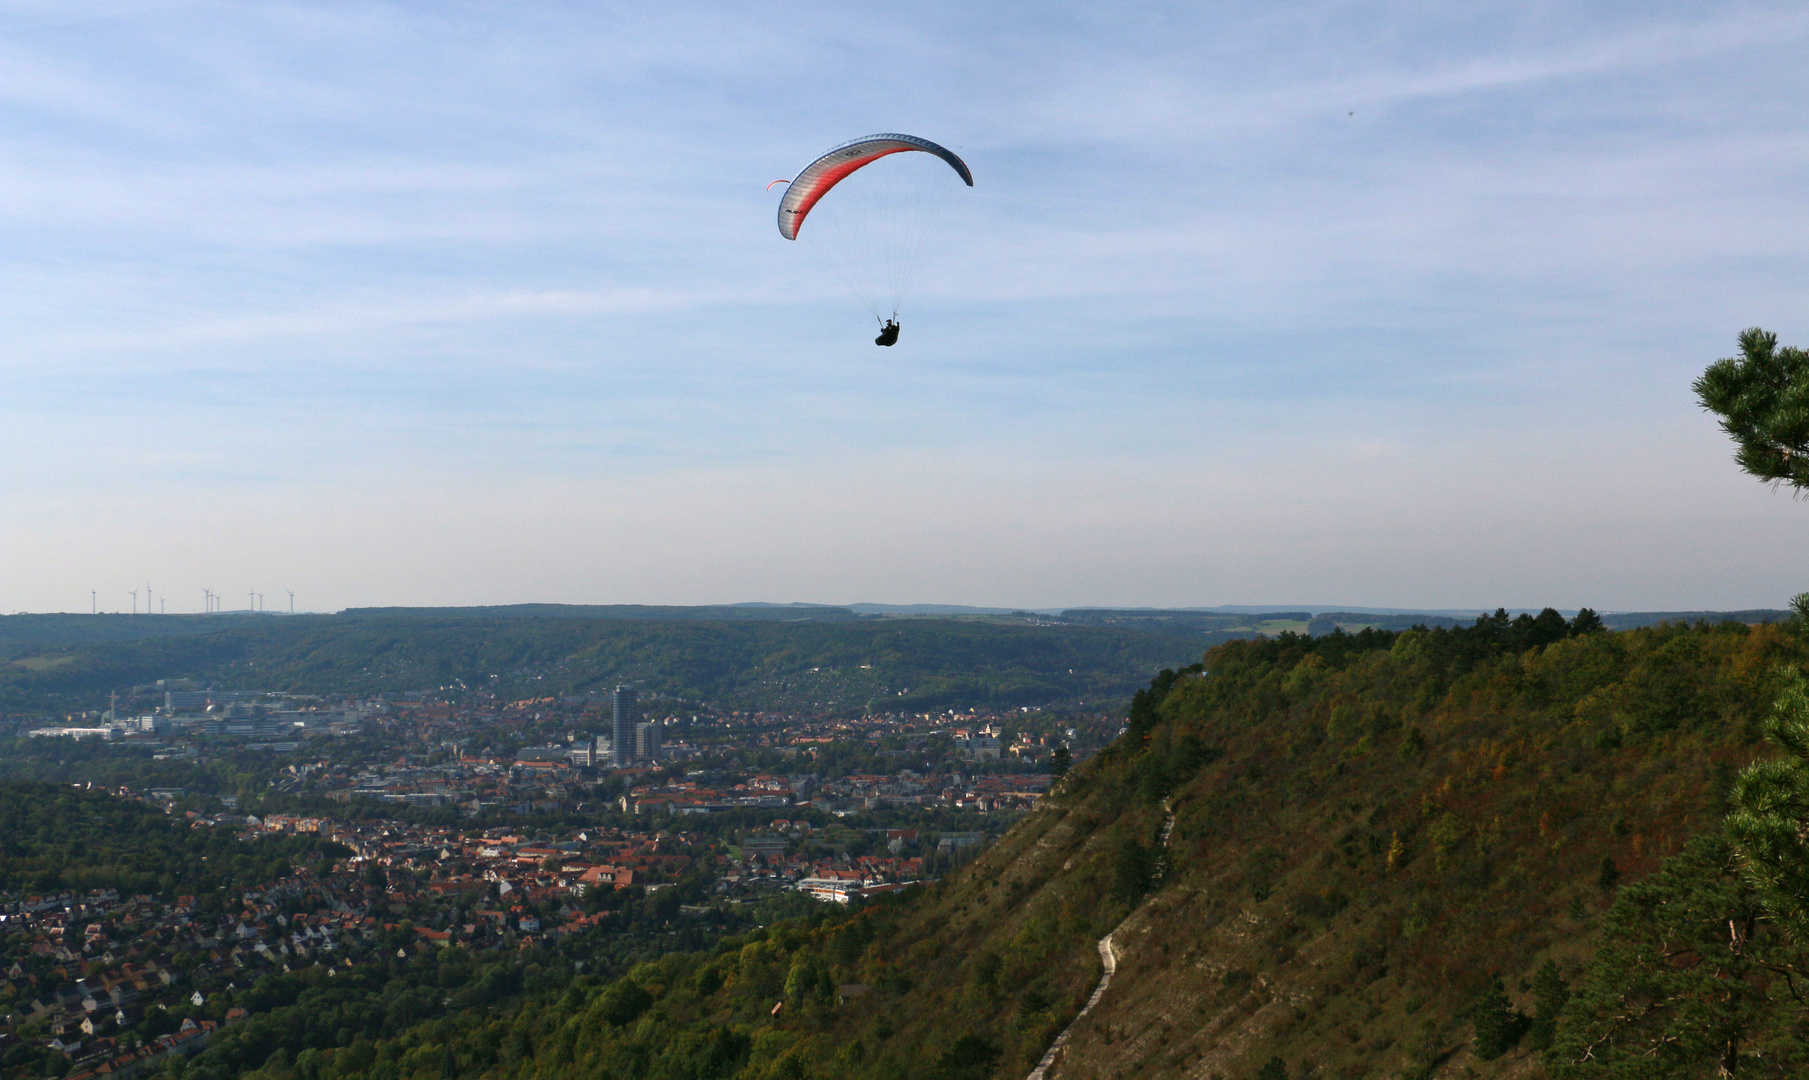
1277 626
43 663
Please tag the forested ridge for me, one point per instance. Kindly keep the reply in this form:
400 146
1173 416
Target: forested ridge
776 658
765 664
1444 852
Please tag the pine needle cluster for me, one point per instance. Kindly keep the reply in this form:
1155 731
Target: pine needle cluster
1762 397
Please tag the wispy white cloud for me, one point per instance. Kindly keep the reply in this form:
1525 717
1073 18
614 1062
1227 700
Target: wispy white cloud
346 320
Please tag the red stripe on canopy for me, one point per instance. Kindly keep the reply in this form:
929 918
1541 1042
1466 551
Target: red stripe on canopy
818 186
825 172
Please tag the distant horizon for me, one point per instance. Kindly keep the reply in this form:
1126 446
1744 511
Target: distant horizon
966 609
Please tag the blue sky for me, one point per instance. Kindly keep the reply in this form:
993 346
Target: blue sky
1385 304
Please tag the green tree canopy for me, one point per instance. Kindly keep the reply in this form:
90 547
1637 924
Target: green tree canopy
1498 1024
1770 810
1762 397
1690 980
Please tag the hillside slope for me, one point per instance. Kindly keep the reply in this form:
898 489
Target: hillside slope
1394 820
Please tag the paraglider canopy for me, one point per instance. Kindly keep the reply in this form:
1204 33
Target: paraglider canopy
809 186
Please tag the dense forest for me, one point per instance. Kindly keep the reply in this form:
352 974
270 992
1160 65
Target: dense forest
1487 850
56 837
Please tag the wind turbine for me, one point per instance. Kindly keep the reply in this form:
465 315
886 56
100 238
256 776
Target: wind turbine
134 593
291 593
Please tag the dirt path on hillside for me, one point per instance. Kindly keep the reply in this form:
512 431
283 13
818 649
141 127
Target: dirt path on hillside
1108 957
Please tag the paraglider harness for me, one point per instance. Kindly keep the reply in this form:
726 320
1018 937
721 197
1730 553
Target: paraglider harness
888 334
